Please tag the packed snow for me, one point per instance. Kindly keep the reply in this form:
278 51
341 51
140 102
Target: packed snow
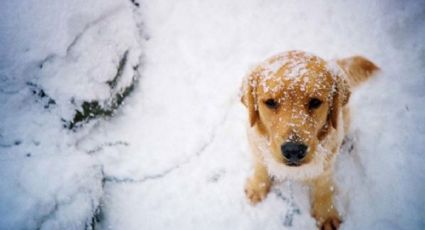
175 154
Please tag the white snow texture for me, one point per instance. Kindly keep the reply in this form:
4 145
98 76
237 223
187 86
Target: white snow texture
175 155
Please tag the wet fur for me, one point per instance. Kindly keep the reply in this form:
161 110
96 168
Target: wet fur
322 129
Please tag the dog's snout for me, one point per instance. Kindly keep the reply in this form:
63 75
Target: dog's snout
294 152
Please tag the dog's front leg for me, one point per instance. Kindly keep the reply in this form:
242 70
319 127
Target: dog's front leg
258 185
323 209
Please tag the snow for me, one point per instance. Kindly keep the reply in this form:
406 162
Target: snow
295 61
176 154
54 56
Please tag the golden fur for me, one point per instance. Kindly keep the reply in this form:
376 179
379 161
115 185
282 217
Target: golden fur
277 94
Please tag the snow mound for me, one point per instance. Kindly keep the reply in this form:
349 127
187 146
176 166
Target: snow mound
61 64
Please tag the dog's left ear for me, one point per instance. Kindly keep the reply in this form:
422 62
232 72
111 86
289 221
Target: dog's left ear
248 96
340 97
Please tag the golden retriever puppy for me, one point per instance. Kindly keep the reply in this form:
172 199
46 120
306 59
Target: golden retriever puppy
298 116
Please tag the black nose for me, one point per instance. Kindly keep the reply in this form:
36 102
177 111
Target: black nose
293 151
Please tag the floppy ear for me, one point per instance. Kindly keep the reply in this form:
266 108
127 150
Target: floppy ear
340 97
248 97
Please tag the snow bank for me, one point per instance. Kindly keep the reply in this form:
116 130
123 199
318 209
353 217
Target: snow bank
60 61
53 192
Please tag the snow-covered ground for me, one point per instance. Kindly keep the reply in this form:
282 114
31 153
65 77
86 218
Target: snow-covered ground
175 154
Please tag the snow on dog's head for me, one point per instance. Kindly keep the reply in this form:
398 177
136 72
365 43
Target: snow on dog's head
294 100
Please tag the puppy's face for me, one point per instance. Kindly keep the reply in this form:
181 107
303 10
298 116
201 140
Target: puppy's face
295 97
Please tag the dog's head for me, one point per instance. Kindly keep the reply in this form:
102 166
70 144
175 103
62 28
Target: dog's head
294 100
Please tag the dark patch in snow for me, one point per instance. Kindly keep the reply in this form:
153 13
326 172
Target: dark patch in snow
15 143
347 145
89 110
96 219
293 208
107 144
113 82
46 60
351 148
147 37
216 176
97 216
115 179
135 3
41 95
94 109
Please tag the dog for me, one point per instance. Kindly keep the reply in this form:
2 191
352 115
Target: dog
298 117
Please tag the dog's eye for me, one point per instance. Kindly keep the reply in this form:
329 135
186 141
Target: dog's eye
314 103
271 103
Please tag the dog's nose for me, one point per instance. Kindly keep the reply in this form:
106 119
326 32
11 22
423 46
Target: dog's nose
293 151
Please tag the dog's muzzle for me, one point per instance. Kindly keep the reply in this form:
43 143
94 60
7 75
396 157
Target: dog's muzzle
293 152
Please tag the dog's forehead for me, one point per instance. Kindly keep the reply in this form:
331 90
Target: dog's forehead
295 71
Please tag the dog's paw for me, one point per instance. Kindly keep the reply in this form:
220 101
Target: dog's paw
256 190
331 223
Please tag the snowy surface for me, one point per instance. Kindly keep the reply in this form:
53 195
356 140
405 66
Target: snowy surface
175 155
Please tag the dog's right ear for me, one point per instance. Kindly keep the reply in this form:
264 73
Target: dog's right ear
249 96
